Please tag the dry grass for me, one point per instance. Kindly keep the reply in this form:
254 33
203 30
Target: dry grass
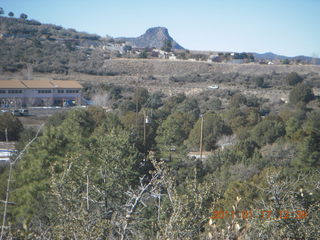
137 72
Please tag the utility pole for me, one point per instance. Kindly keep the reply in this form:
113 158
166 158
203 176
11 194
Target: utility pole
145 134
6 134
201 137
137 102
137 111
88 193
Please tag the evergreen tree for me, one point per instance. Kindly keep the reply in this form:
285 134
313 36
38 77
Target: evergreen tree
174 130
301 93
293 78
213 128
10 126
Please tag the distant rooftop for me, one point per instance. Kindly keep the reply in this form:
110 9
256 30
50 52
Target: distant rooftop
8 84
12 84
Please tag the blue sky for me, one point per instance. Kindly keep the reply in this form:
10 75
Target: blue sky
287 27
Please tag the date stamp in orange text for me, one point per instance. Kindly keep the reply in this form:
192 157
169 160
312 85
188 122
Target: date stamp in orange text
261 214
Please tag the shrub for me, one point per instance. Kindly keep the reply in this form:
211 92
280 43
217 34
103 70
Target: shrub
301 93
293 78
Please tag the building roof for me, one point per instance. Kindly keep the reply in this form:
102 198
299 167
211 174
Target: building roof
66 84
47 84
37 84
11 84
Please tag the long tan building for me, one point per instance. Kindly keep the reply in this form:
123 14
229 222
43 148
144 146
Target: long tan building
21 93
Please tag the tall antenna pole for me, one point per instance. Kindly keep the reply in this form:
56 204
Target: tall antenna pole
201 136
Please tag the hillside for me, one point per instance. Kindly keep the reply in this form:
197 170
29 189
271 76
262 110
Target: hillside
49 48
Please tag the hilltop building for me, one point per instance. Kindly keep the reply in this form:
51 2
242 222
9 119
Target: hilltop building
21 93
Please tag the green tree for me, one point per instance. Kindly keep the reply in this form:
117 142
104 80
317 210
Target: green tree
259 81
308 156
127 106
140 97
101 117
238 118
292 126
143 54
301 93
237 100
1 11
57 118
285 61
155 100
213 128
91 187
115 92
23 16
247 147
191 106
293 78
106 155
12 124
267 131
135 124
172 103
313 122
10 14
215 104
174 130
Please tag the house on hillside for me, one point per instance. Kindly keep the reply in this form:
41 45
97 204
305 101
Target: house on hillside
172 57
160 53
21 93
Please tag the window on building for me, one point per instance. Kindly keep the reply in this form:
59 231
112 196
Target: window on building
2 91
60 91
44 91
15 91
72 91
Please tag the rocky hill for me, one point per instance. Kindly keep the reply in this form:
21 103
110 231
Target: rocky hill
153 37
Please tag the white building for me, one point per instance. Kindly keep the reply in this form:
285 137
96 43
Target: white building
19 93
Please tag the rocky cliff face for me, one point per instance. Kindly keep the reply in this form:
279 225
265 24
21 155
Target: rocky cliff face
153 37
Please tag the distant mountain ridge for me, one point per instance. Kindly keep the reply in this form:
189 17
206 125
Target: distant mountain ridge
271 56
153 37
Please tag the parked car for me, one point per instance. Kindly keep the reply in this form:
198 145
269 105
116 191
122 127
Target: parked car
20 112
16 112
24 112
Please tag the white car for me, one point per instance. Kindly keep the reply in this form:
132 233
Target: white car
213 87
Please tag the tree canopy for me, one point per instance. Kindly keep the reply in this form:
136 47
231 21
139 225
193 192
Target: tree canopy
12 125
213 128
